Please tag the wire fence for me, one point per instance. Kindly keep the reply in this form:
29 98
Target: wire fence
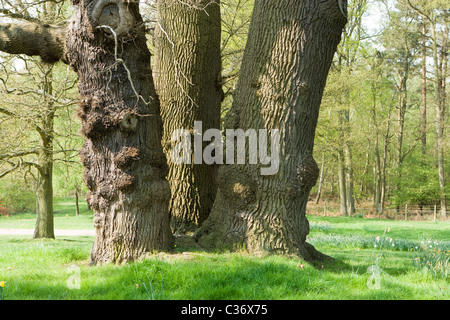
403 212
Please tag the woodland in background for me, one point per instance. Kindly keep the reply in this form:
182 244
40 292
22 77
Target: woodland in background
382 132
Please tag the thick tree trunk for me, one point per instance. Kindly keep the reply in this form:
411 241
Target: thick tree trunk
187 73
289 51
125 166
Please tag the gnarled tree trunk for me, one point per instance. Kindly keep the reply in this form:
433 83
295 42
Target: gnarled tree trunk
125 166
290 47
187 74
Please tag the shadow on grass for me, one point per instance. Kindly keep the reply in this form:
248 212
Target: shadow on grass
204 277
191 272
188 244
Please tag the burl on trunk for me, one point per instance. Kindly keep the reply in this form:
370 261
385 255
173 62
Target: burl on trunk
125 167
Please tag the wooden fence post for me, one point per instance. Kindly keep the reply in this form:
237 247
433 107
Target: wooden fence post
325 208
406 212
435 210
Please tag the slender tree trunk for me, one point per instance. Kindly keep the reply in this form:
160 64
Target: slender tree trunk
364 187
289 51
342 177
322 175
349 178
44 227
444 59
401 123
401 111
377 199
187 75
342 184
441 119
377 162
440 115
424 89
125 167
384 159
77 205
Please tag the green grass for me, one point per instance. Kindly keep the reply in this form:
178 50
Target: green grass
64 217
407 230
40 269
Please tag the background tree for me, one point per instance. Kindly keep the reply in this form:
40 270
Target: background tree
368 87
35 103
345 64
435 13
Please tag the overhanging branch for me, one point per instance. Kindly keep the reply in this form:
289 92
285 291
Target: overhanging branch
17 154
33 39
9 171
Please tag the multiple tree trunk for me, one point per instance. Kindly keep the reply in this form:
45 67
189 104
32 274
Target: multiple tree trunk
287 58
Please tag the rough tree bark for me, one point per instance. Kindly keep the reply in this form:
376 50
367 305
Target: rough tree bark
125 167
289 51
187 74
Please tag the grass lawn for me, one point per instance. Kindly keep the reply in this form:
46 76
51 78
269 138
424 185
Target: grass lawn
367 265
64 217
